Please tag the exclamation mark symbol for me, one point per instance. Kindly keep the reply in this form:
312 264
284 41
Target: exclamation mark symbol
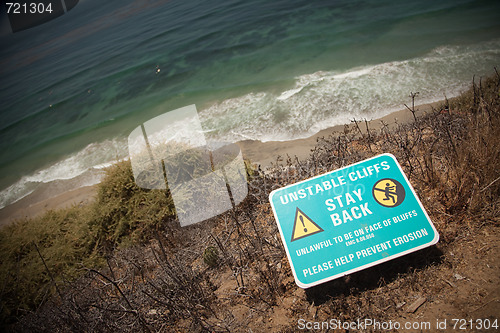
302 220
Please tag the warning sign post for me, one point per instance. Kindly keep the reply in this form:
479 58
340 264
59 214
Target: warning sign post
350 219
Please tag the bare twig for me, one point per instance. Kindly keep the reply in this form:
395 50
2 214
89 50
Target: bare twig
48 272
490 184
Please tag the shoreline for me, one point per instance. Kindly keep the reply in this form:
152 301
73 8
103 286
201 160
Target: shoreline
29 206
258 152
264 153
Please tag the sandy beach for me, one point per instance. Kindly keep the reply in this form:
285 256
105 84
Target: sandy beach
260 153
264 153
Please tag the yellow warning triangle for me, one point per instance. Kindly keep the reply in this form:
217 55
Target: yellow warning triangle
303 226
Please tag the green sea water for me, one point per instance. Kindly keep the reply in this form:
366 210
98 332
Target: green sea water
72 89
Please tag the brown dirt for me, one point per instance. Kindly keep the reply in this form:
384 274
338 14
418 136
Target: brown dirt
460 280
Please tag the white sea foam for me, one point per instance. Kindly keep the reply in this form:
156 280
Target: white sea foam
289 93
95 156
354 73
323 99
317 101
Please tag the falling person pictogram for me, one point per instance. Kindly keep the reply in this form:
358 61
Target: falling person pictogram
388 192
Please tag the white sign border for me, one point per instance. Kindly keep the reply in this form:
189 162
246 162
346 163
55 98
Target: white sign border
380 261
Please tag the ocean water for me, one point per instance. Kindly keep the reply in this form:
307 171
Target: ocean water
72 89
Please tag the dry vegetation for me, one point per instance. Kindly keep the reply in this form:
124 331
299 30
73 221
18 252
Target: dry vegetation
139 271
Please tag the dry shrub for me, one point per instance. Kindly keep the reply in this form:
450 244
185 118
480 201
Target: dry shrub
450 155
123 212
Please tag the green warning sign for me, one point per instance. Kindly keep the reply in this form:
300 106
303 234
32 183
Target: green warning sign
350 219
